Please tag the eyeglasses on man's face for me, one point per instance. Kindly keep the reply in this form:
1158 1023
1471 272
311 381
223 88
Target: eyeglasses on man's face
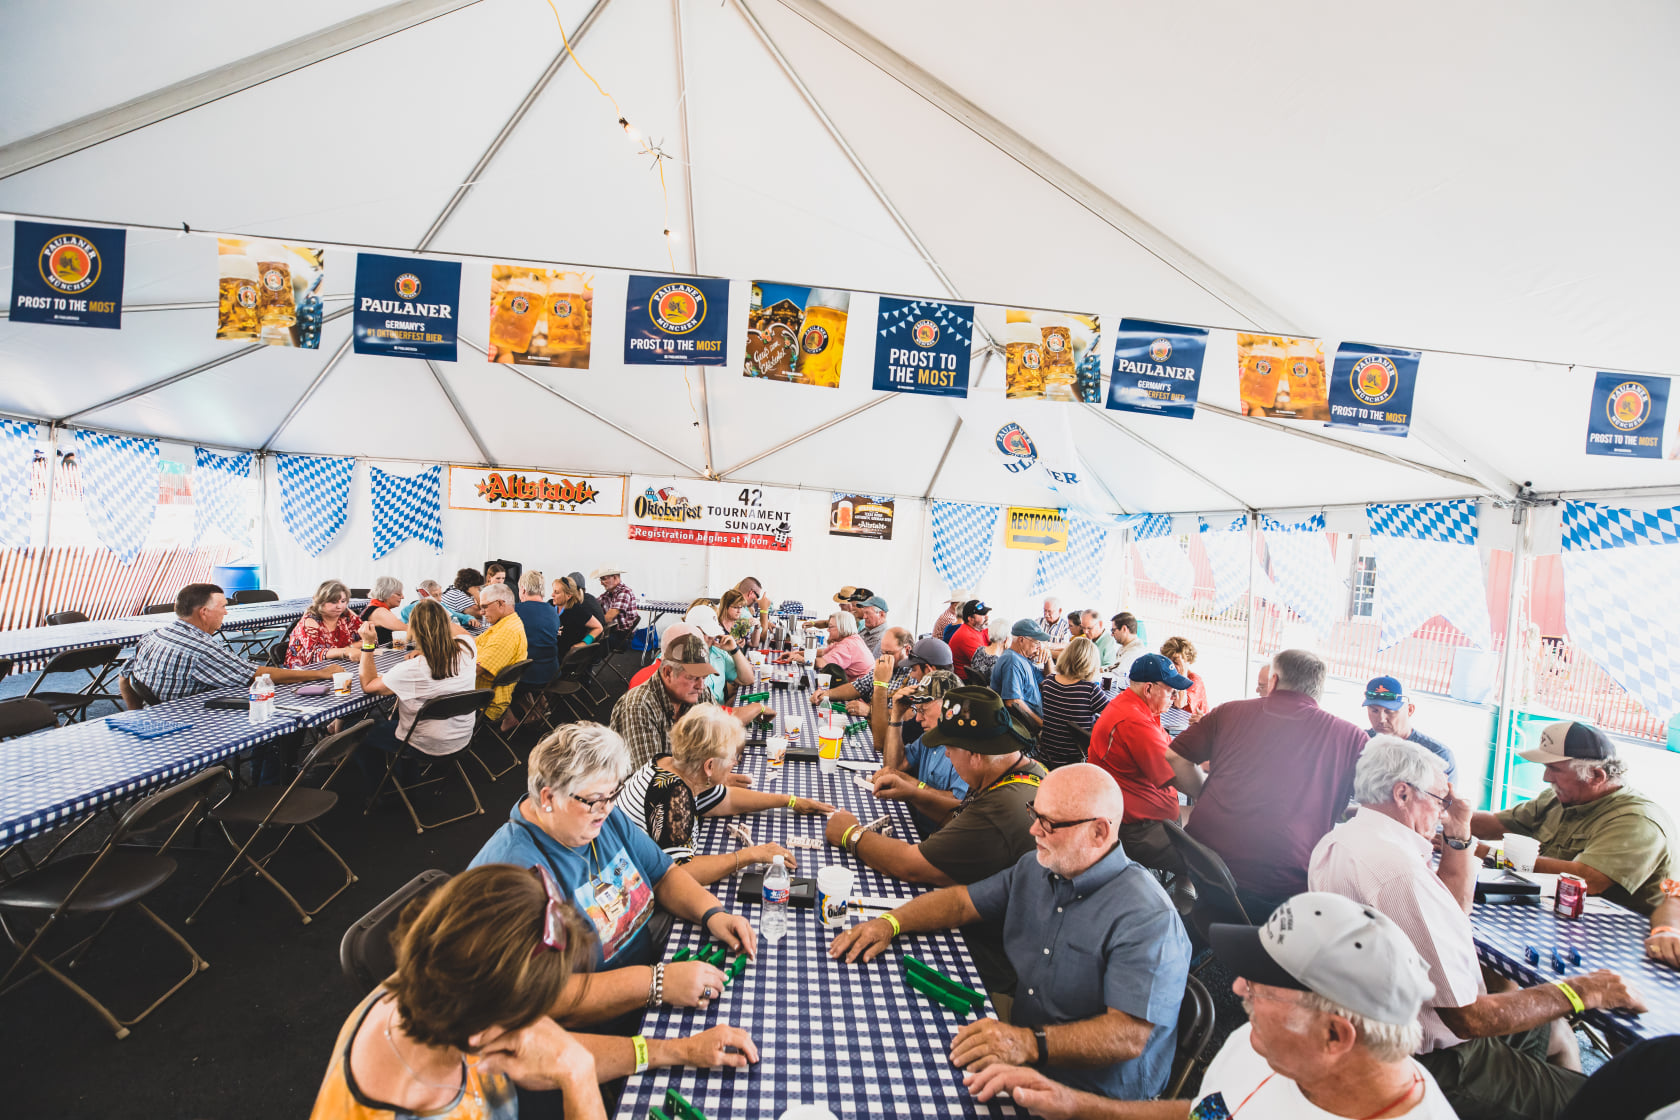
1049 825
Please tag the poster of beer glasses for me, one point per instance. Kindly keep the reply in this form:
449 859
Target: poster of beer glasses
1049 355
1282 377
270 292
860 515
796 334
540 316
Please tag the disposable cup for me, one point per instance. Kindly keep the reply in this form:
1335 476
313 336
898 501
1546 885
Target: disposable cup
1522 851
341 683
834 888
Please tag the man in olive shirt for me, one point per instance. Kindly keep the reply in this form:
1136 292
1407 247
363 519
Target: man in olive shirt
990 829
1588 823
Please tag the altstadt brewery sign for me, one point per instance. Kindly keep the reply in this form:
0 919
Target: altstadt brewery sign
536 492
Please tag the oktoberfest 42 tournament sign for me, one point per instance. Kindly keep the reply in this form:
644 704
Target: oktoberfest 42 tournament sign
691 511
582 495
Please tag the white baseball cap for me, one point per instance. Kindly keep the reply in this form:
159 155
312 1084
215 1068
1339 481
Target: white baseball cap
1349 953
704 619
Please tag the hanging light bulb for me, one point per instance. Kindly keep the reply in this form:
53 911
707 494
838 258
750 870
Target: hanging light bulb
630 131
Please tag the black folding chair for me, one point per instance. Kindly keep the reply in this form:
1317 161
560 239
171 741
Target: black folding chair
277 653
1216 890
366 954
160 608
104 882
1195 1031
439 707
96 661
255 595
284 810
64 618
23 715
575 679
360 592
509 675
5 667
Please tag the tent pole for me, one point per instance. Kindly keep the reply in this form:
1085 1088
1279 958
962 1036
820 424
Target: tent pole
262 518
224 81
1248 626
874 402
1102 413
693 232
924 535
1510 662
338 356
461 414
46 530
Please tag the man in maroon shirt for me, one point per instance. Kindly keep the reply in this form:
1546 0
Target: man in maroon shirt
968 637
1280 775
1129 743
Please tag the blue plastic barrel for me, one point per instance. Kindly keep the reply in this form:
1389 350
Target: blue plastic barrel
236 577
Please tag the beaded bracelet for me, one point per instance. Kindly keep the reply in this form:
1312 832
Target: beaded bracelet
656 990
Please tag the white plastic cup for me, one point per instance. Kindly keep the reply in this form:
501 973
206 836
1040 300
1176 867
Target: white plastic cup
775 750
399 639
793 725
341 683
834 890
1522 851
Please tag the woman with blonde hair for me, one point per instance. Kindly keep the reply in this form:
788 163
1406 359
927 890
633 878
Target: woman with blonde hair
1191 704
440 663
327 630
666 796
1072 698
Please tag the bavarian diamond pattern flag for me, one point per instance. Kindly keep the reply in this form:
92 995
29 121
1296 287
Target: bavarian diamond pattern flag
407 509
962 541
314 498
1427 565
1163 561
17 463
120 489
221 484
1228 551
1621 594
1304 570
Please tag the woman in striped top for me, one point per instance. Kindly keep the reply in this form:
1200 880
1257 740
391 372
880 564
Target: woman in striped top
1072 699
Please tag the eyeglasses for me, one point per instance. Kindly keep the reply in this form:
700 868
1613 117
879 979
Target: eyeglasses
1049 825
554 915
1435 797
594 804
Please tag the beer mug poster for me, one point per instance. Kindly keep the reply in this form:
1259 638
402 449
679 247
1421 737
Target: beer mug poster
1371 388
1157 368
922 346
1627 416
540 316
860 515
676 320
70 276
269 292
1051 355
796 334
406 307
1282 377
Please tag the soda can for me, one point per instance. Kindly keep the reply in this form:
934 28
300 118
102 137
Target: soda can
1571 897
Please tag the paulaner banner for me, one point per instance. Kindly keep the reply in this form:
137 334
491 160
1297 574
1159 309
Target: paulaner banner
797 334
923 347
70 276
540 316
1157 368
269 292
406 307
565 492
676 320
690 511
1371 388
1282 377
1627 416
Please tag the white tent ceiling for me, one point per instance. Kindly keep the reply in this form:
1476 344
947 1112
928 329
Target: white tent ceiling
1490 180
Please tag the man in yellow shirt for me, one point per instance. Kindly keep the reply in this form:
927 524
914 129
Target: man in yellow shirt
501 644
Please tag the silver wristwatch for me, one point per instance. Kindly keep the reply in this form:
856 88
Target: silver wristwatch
1459 845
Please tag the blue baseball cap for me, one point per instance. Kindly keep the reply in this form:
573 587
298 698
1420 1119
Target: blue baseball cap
1153 667
1384 692
1027 628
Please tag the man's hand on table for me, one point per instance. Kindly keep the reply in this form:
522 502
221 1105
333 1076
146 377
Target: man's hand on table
987 1042
687 984
1664 947
819 697
1026 1087
735 932
838 822
1602 989
719 1046
892 785
857 708
864 941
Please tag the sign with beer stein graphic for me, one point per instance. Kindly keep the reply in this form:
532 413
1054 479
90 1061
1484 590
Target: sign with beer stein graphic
860 515
1282 377
1371 388
269 292
70 276
922 346
406 307
1627 415
1157 368
1049 355
676 320
540 316
796 334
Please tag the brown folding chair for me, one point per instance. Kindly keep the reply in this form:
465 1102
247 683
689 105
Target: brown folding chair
255 595
96 661
1195 1031
64 618
22 716
5 667
438 707
366 953
360 592
160 608
284 810
105 882
508 675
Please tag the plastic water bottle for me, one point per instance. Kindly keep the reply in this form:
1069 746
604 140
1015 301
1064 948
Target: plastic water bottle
262 699
778 887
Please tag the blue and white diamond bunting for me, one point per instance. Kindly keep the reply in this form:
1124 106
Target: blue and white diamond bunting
962 541
1163 561
314 498
119 489
1304 570
407 509
1428 564
1081 564
221 486
17 465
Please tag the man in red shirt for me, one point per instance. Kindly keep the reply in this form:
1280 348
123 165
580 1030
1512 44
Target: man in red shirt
1280 775
970 636
1129 743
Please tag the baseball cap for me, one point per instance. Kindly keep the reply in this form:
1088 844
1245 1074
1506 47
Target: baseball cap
576 578
1153 667
674 631
975 606
875 601
1384 692
929 651
975 719
704 619
606 570
1347 952
688 653
1027 628
937 684
1569 739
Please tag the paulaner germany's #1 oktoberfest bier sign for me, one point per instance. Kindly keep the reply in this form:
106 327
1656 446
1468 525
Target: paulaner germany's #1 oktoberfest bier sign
518 491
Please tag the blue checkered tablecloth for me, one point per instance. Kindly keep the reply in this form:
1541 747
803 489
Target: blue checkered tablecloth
851 1037
1606 935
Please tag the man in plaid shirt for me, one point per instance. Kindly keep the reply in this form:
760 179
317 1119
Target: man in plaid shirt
184 658
644 715
618 603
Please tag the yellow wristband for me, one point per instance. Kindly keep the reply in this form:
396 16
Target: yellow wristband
893 922
640 1043
880 684
1574 1000
793 800
921 785
847 835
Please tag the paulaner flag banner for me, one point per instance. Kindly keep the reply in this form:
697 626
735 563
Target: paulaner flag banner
269 292
540 316
1051 355
406 307
1371 388
1627 416
797 334
676 321
922 346
70 276
1282 377
1157 368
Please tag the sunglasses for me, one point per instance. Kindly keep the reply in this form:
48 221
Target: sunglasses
593 804
1049 825
554 915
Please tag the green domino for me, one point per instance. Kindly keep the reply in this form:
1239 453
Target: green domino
755 698
679 1108
933 991
714 956
736 967
681 955
931 976
657 1113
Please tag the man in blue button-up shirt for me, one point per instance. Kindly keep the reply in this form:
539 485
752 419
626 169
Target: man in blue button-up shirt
1101 954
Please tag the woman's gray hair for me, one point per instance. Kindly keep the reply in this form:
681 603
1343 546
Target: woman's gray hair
532 583
386 586
430 587
1388 759
1080 660
574 753
1299 670
1385 1042
492 591
844 624
705 731
1614 768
